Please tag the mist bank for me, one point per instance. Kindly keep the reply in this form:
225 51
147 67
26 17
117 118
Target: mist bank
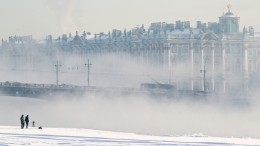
138 114
105 70
143 115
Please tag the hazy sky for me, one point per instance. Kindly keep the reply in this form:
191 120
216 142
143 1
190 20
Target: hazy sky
42 17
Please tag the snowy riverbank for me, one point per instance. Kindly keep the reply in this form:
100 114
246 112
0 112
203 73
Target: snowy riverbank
59 136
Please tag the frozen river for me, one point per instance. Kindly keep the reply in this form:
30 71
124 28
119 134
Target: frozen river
68 136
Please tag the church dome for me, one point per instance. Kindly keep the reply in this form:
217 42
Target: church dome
228 15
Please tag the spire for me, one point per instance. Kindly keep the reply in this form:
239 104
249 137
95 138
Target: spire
229 7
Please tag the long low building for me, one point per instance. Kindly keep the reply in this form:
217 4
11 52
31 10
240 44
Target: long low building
228 57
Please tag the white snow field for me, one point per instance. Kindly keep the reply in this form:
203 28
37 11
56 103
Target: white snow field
10 135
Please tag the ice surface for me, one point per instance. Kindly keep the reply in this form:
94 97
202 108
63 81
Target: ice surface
10 135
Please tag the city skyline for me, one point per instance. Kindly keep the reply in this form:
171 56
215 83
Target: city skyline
43 17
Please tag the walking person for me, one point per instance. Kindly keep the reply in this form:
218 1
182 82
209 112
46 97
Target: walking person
22 121
27 121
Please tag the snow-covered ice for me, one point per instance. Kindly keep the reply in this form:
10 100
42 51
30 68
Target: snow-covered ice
10 135
154 123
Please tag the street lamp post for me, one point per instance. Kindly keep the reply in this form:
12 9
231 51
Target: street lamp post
57 66
88 66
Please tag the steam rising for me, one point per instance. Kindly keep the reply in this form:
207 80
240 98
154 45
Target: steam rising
132 113
65 11
135 114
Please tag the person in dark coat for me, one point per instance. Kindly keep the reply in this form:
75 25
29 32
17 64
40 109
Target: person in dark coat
22 121
27 121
